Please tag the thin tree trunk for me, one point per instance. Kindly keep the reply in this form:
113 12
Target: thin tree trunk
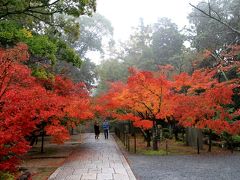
148 139
154 134
210 141
198 147
147 136
232 147
33 140
135 143
42 145
166 146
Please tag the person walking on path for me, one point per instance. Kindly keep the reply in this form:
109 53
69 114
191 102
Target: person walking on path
105 128
96 129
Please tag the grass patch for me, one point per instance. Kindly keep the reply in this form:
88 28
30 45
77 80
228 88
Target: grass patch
6 175
174 147
159 152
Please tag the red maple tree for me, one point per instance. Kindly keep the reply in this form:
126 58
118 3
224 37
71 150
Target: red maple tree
29 104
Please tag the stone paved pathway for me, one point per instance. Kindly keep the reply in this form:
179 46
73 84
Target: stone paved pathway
95 159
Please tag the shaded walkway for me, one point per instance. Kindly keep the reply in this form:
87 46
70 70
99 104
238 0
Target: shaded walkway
95 159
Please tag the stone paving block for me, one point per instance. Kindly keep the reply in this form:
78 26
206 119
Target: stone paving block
116 165
91 166
107 170
89 176
65 172
80 171
105 165
120 170
94 170
87 161
120 177
61 176
115 161
73 177
98 162
80 166
57 178
104 176
104 159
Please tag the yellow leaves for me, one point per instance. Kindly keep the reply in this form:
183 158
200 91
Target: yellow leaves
26 33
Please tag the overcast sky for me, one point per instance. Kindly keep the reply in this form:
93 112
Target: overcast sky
125 14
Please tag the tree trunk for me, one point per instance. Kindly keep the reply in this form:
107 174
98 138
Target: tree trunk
166 146
183 137
175 131
198 147
192 135
232 147
210 141
155 144
148 138
33 140
135 143
154 136
42 145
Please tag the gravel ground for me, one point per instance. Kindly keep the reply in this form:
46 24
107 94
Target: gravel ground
189 167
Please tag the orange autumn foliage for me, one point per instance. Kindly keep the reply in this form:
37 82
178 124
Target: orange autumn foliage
202 104
143 99
196 100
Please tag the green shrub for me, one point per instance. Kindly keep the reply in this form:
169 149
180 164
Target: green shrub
6 176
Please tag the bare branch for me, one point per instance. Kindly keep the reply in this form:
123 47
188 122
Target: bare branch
36 17
44 5
148 108
217 19
209 8
43 13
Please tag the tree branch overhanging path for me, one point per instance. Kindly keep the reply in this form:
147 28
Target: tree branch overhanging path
44 11
29 9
